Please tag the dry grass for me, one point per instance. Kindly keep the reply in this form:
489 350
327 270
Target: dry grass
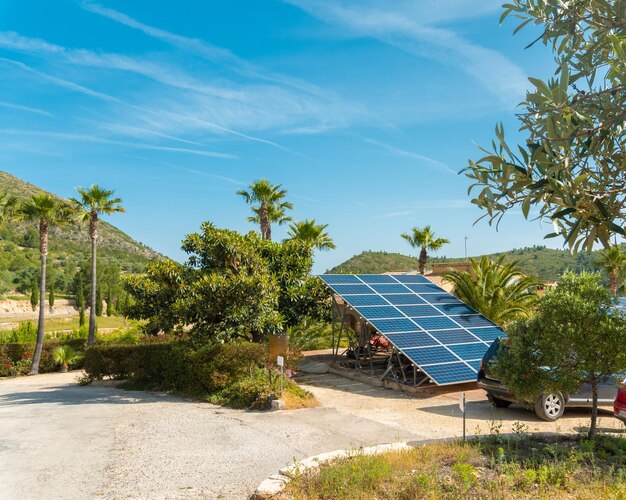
297 401
494 468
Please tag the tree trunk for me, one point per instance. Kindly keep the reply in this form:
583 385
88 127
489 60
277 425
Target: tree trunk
257 337
594 408
41 332
93 234
422 260
614 284
266 230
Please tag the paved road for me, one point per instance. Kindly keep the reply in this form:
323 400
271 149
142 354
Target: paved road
60 440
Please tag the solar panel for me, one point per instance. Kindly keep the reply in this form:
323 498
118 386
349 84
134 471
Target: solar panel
487 334
423 288
376 278
469 351
336 279
455 309
451 373
411 339
425 356
394 325
438 323
443 336
441 298
410 278
418 311
353 289
456 336
365 300
390 288
404 298
378 312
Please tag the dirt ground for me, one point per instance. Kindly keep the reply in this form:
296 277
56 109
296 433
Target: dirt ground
61 440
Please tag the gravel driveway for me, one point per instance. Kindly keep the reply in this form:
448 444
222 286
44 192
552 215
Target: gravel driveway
60 440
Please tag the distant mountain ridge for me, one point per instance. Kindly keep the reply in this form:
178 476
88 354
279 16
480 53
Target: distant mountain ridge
547 264
69 246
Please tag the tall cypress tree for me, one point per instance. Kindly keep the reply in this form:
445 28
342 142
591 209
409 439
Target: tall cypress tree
34 296
98 301
110 308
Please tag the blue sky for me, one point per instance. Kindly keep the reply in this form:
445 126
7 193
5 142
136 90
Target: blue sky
364 110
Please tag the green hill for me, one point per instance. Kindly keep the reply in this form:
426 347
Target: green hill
69 248
545 263
376 263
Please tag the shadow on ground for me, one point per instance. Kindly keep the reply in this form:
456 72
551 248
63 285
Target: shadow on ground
484 411
73 394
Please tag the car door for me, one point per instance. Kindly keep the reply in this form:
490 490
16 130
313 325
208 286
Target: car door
582 397
607 389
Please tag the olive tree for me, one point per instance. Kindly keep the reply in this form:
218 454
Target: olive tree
575 337
571 167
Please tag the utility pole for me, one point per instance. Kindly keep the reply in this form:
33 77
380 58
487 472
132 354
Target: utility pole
466 249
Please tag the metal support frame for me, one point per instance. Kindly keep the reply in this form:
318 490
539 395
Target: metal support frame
340 330
337 314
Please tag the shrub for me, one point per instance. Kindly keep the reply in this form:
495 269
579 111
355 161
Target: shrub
11 354
234 374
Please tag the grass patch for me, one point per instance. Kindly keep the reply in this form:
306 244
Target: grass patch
520 467
67 328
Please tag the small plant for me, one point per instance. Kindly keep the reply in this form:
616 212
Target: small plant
495 428
20 367
520 429
84 379
466 473
65 356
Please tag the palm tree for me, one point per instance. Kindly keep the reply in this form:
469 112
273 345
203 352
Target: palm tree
499 291
424 239
47 211
94 202
8 204
613 260
313 233
267 205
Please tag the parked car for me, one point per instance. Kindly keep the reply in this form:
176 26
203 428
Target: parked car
549 406
619 406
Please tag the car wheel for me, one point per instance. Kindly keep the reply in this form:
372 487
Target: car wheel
550 407
497 402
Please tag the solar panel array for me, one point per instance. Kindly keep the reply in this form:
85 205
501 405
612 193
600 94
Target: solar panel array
443 336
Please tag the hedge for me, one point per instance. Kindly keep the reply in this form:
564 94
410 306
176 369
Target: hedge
232 374
10 354
174 365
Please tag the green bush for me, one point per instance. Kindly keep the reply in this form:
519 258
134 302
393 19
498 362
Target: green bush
234 374
10 354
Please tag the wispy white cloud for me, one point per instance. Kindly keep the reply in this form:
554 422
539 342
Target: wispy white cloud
409 154
185 114
28 109
207 51
60 81
416 209
157 71
416 28
194 171
227 108
136 145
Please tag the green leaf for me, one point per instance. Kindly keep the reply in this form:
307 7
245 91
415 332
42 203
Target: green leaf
562 213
